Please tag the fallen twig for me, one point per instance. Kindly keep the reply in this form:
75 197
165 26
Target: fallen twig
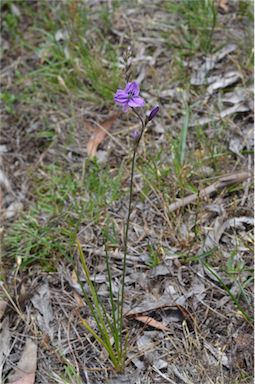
221 183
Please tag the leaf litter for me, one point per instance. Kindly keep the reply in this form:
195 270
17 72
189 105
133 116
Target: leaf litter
5 339
41 302
25 370
100 134
174 292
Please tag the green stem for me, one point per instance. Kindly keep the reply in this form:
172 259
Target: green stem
128 221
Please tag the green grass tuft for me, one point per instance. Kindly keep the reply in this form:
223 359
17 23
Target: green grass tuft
199 18
47 232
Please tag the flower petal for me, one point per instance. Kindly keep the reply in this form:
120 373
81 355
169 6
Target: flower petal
136 101
120 92
132 88
125 107
120 97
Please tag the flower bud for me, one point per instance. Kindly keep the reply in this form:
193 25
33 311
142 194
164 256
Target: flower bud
153 113
135 134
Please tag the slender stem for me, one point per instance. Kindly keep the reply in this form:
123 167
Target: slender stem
128 220
116 335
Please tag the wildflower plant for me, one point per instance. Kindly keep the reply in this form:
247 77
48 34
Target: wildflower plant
110 333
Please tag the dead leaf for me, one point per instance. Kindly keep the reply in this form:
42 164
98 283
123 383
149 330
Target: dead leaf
100 134
76 295
25 371
4 181
223 5
3 305
146 342
182 376
148 306
13 210
239 95
5 338
147 320
42 302
78 300
220 226
125 378
199 76
236 144
61 35
237 108
159 270
224 81
219 355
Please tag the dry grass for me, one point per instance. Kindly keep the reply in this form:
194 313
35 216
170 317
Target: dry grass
190 268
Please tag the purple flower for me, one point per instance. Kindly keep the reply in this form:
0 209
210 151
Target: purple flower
135 134
153 113
129 97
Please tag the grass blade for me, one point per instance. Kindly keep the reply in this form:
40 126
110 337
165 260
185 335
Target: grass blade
233 298
98 311
184 132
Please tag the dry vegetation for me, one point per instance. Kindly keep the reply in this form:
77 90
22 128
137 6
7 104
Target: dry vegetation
189 285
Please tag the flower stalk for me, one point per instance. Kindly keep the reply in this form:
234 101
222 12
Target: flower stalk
128 218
